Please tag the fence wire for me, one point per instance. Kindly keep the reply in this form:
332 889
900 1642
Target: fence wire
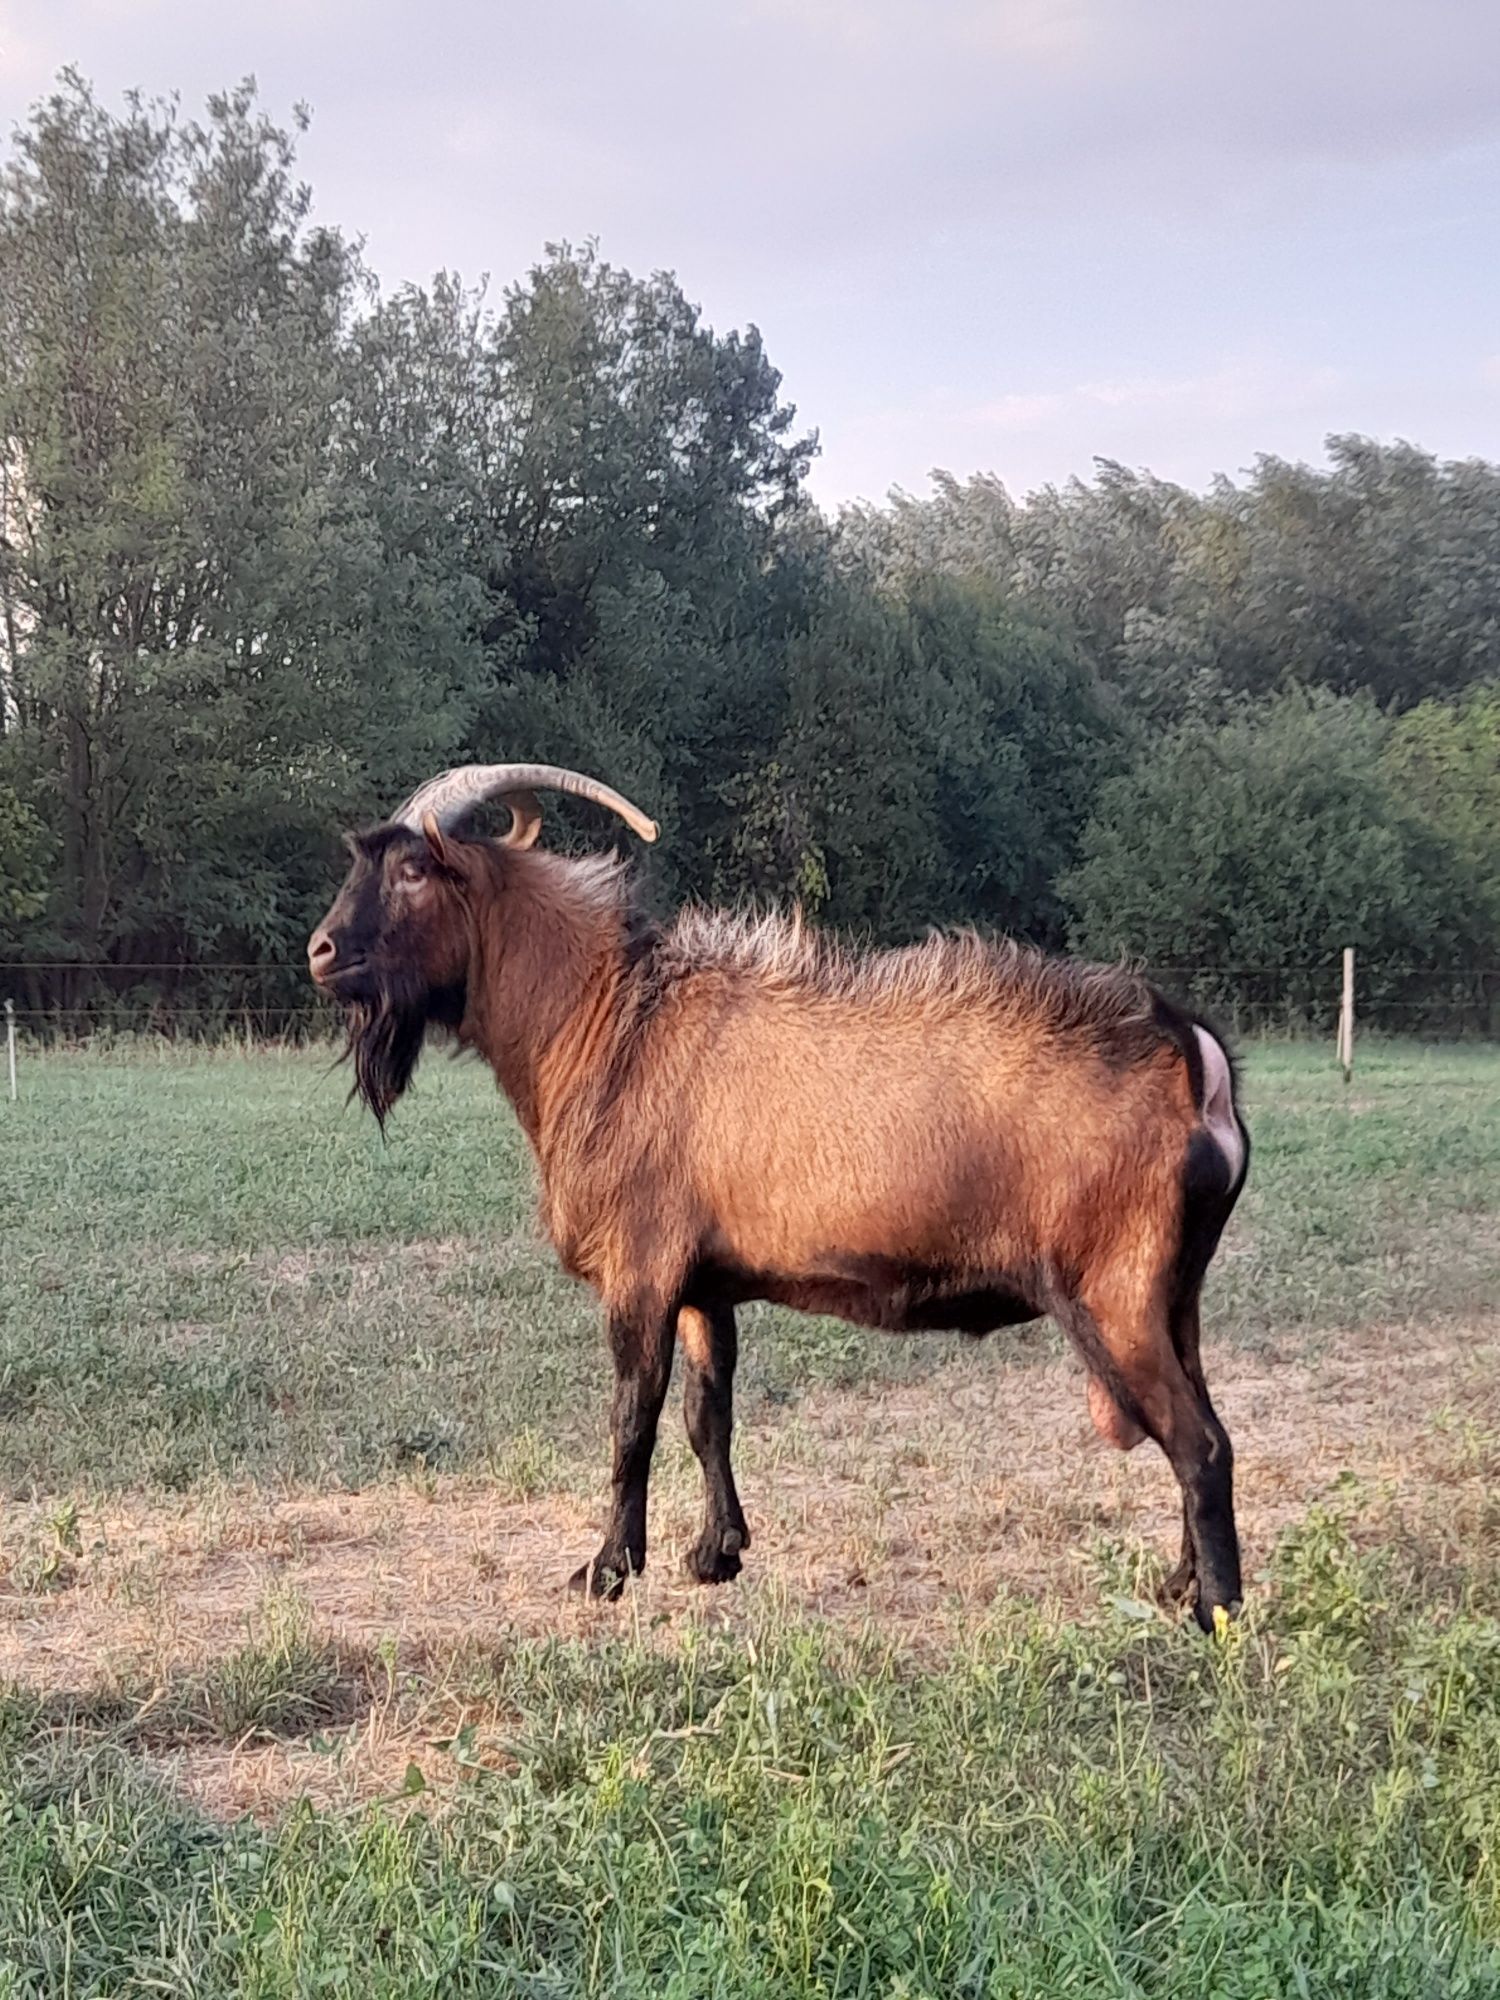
61 1001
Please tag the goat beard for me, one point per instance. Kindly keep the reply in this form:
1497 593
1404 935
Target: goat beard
384 1040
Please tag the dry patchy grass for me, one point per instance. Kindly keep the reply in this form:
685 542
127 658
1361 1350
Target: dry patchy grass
913 1510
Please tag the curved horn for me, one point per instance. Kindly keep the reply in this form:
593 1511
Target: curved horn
454 793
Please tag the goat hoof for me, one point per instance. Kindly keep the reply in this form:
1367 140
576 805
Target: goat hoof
715 1556
603 1577
1206 1609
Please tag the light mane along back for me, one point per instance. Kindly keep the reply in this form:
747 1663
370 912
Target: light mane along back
783 955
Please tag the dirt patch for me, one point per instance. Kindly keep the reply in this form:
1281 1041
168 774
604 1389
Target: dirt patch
914 1508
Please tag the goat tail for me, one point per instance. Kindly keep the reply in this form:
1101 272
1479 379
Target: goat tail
1219 1111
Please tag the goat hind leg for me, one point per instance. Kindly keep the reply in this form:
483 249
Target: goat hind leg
709 1346
1174 1408
1186 1338
1179 1584
641 1345
1197 1445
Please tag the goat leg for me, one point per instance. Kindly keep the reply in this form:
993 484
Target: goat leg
641 1346
710 1349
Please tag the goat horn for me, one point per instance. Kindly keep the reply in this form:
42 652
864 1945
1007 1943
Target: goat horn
452 794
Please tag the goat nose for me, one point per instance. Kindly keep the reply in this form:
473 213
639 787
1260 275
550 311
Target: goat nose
321 954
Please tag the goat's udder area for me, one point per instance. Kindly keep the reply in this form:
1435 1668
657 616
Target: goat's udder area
911 1507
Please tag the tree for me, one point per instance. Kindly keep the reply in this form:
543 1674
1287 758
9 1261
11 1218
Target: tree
639 469
1378 574
934 763
1443 762
838 807
1021 732
23 862
273 548
1272 839
225 629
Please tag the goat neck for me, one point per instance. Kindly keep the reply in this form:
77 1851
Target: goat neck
547 963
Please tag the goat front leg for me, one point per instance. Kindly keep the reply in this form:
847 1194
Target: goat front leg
710 1349
640 1344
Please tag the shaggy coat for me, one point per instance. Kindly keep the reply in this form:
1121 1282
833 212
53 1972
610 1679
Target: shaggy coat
963 1134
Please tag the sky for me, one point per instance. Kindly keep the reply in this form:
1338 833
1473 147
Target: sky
1007 236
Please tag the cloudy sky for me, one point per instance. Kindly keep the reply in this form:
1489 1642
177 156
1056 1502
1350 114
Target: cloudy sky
1007 235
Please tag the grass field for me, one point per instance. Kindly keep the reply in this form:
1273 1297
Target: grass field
300 1434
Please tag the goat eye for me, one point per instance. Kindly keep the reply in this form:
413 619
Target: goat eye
410 874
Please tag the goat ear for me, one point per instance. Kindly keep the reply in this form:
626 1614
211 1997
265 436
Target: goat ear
437 841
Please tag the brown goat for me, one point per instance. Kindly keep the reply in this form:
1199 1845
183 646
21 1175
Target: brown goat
961 1134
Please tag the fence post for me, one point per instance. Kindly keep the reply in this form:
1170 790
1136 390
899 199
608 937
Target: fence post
1346 1016
10 1044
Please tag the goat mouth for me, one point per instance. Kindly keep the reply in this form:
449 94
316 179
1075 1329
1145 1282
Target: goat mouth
335 983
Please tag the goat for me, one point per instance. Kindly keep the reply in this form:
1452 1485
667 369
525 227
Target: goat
960 1134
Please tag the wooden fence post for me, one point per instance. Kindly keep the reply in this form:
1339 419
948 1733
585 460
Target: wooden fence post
10 1043
1346 1016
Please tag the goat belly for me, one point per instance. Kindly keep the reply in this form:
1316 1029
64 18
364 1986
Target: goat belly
884 1293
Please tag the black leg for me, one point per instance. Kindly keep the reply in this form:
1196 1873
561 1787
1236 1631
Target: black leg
1163 1389
710 1349
1186 1334
1210 1545
1204 1463
641 1346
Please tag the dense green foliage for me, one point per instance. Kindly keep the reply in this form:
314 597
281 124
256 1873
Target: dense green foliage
1443 760
1377 575
273 547
1282 834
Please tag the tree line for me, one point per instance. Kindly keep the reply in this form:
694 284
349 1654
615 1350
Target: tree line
274 546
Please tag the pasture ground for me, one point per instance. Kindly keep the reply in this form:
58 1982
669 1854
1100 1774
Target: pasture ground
300 1434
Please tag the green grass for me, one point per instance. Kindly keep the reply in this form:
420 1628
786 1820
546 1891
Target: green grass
1379 1202
212 1266
1310 1806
